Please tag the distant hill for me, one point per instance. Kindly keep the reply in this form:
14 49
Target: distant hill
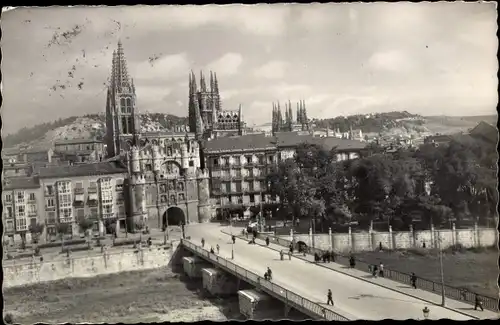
88 126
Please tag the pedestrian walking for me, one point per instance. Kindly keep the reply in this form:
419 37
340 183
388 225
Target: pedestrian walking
478 303
267 241
375 271
413 280
380 246
332 256
233 237
316 257
352 262
291 248
203 242
218 248
329 297
381 270
290 255
281 255
212 250
269 273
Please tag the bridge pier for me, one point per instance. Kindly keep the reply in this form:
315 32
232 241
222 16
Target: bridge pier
259 306
193 266
218 282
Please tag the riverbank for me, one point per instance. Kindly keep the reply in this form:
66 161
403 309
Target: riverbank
140 296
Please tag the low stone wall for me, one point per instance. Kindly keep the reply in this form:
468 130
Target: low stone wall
371 240
88 266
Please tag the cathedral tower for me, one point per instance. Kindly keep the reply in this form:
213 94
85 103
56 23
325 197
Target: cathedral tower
122 119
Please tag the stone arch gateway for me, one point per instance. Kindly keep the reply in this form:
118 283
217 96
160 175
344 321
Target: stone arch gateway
174 216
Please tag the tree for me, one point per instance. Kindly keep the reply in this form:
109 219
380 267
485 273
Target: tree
85 225
36 230
62 229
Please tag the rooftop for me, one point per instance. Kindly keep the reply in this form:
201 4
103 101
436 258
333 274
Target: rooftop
76 141
486 131
281 139
15 183
102 168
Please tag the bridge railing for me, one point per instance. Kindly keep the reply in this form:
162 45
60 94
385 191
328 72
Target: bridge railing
289 297
460 294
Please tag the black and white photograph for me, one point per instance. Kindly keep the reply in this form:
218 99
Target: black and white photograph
183 163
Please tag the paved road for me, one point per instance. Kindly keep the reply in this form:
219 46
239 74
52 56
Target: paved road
353 298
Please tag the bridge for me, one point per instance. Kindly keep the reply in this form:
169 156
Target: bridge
301 286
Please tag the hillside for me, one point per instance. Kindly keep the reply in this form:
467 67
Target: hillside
88 126
404 123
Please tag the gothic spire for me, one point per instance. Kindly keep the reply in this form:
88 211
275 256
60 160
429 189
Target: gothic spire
212 86
203 85
193 82
299 117
119 77
216 84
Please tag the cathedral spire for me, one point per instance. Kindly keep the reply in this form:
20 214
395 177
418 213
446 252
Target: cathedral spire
203 85
193 82
120 79
212 86
216 84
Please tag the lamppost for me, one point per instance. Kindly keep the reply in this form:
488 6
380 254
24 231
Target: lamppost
441 269
231 232
426 311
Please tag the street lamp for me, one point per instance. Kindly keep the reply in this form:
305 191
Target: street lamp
426 312
231 232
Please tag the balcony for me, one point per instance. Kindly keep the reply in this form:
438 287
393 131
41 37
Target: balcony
32 213
92 203
79 191
108 216
92 189
49 193
50 208
78 203
249 165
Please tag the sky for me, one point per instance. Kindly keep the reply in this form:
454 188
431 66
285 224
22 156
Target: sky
342 59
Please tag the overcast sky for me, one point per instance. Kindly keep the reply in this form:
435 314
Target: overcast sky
427 58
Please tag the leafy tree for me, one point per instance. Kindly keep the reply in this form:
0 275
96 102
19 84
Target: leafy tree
36 230
85 225
62 229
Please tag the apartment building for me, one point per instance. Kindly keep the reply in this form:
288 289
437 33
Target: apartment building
238 166
22 203
93 191
79 150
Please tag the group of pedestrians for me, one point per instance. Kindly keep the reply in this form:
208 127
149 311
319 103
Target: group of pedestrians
326 256
376 270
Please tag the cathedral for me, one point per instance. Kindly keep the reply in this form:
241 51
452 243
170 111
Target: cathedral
207 119
166 182
286 123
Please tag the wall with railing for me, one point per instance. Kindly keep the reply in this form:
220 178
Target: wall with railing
304 305
373 240
460 294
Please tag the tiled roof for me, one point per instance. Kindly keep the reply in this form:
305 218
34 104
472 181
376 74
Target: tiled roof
103 168
76 141
281 139
240 143
485 130
15 183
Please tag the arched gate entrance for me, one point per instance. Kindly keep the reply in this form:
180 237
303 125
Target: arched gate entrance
174 215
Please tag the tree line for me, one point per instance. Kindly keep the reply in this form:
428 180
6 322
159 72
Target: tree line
431 185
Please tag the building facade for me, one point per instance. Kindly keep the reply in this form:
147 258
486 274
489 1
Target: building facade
167 184
238 166
86 191
79 150
206 117
22 203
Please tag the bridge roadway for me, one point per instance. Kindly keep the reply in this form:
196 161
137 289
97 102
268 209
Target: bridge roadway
354 299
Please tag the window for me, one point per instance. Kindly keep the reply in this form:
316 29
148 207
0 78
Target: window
49 203
191 163
66 215
271 159
249 159
94 213
236 160
20 197
65 200
32 197
80 214
119 184
21 224
31 209
9 212
216 162
105 183
9 225
79 185
8 198
120 197
51 218
106 197
121 211
228 187
49 190
107 209
93 184
20 212
252 198
250 186
64 187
